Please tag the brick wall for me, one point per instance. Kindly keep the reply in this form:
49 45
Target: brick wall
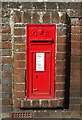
67 17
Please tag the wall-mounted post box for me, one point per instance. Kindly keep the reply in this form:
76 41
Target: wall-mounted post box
40 60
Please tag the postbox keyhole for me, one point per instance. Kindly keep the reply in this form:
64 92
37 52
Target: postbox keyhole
36 76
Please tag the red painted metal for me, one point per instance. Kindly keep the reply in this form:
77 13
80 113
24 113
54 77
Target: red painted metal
40 60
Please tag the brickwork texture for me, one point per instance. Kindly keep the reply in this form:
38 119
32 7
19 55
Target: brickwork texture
68 19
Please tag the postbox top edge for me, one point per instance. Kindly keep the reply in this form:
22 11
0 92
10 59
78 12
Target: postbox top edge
47 25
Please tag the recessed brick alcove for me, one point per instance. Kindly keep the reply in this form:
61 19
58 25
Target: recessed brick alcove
67 17
20 59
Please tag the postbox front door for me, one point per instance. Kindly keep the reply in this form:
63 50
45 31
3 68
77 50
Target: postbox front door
41 70
40 61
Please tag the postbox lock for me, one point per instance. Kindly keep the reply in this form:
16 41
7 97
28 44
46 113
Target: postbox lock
36 76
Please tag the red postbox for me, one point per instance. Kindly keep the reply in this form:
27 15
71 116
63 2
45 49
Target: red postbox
40 60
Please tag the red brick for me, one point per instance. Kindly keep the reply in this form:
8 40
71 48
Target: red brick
75 101
75 88
17 16
35 103
61 48
80 21
14 5
60 94
80 51
6 52
19 48
60 86
38 5
19 31
60 56
60 79
44 103
11 101
7 74
75 44
1 60
6 37
81 44
61 26
75 29
27 17
61 102
17 103
60 71
75 58
20 72
6 45
19 64
0 45
7 67
6 109
25 104
6 29
7 101
35 18
46 18
74 108
7 60
55 17
65 114
63 18
19 94
61 32
74 94
75 114
75 37
75 21
19 87
80 65
75 81
7 88
19 79
75 65
75 73
61 40
75 51
74 13
19 56
53 103
60 63
19 40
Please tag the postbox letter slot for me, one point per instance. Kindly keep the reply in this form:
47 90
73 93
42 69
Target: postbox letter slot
41 41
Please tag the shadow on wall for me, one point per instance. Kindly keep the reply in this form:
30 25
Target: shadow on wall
68 61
